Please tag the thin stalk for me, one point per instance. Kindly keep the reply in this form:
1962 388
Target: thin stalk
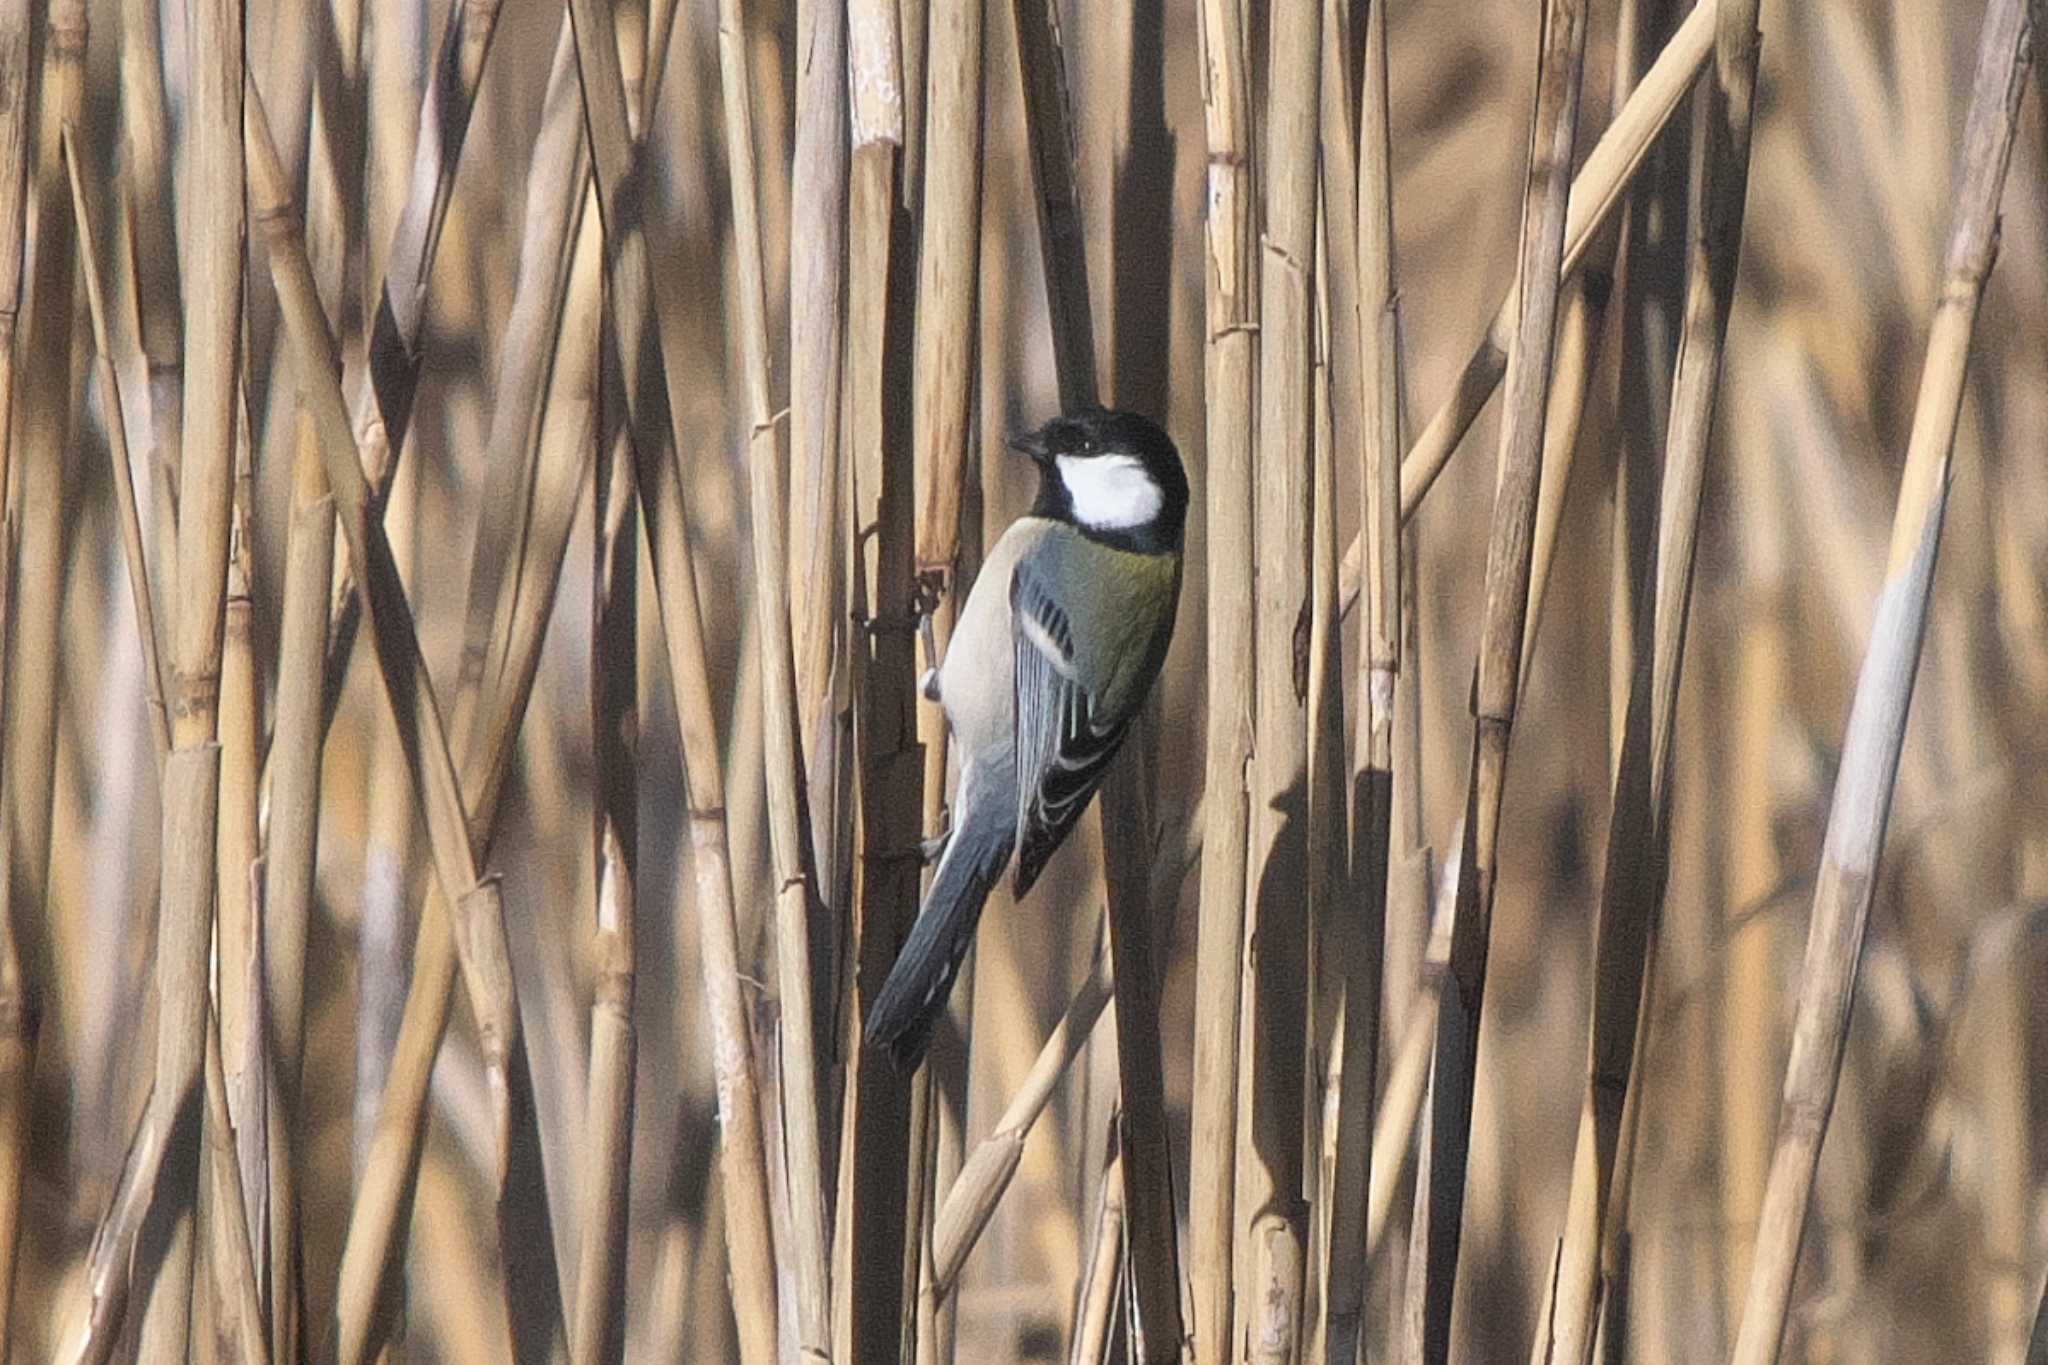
874 1184
632 242
1230 320
151 211
1596 192
817 269
1372 331
1884 690
1100 1290
1626 925
1270 1216
213 331
805 1238
238 1308
17 1021
1433 1278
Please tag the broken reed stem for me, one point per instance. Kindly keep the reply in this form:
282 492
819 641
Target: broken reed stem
805 1239
479 921
1230 319
1626 924
213 192
817 588
1270 1216
17 1029
1055 185
155 265
639 319
1596 192
1372 333
1553 129
1096 1311
1884 689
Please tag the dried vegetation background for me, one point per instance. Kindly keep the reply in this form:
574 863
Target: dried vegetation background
660 478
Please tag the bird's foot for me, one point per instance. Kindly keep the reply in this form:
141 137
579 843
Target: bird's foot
928 683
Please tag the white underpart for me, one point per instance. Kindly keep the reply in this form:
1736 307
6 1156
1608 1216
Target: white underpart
1110 492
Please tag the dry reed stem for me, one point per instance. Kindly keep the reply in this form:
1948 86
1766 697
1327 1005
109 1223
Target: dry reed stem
817 268
1877 719
213 324
155 264
874 1179
238 1309
805 1239
479 922
1270 1216
117 445
1230 319
1359 179
628 265
1626 923
987 1172
597 1331
17 1028
1049 133
32 566
1553 128
1597 191
1096 1311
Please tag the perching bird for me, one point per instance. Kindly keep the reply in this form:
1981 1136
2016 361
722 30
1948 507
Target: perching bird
1052 655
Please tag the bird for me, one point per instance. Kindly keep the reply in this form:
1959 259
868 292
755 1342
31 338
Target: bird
1060 640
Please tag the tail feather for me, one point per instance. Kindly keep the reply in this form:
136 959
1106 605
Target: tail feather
908 1006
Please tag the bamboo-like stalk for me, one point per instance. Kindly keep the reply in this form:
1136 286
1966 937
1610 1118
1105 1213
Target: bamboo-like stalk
238 1310
479 924
1884 689
17 1025
628 250
117 441
1096 1309
817 269
805 1238
1596 192
155 264
873 1177
598 1329
1231 315
1626 926
1049 133
1270 1219
987 1172
1433 1278
213 325
1372 333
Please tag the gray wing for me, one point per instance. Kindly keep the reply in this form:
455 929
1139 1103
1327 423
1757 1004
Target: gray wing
1064 738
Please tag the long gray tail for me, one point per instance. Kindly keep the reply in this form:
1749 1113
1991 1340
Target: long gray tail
910 1001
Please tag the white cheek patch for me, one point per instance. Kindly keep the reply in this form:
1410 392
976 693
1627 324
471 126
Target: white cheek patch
1110 492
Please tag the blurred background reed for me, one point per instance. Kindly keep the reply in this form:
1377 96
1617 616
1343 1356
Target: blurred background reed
677 341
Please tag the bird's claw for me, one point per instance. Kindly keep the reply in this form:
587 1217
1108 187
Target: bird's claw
928 684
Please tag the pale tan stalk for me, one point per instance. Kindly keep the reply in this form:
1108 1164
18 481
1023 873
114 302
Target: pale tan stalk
987 1172
1597 191
213 190
479 923
1433 1278
1096 1310
117 442
632 242
1626 926
817 268
597 1332
1270 1219
1370 330
17 1029
805 1239
1231 315
237 1302
155 264
1884 689
873 1175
